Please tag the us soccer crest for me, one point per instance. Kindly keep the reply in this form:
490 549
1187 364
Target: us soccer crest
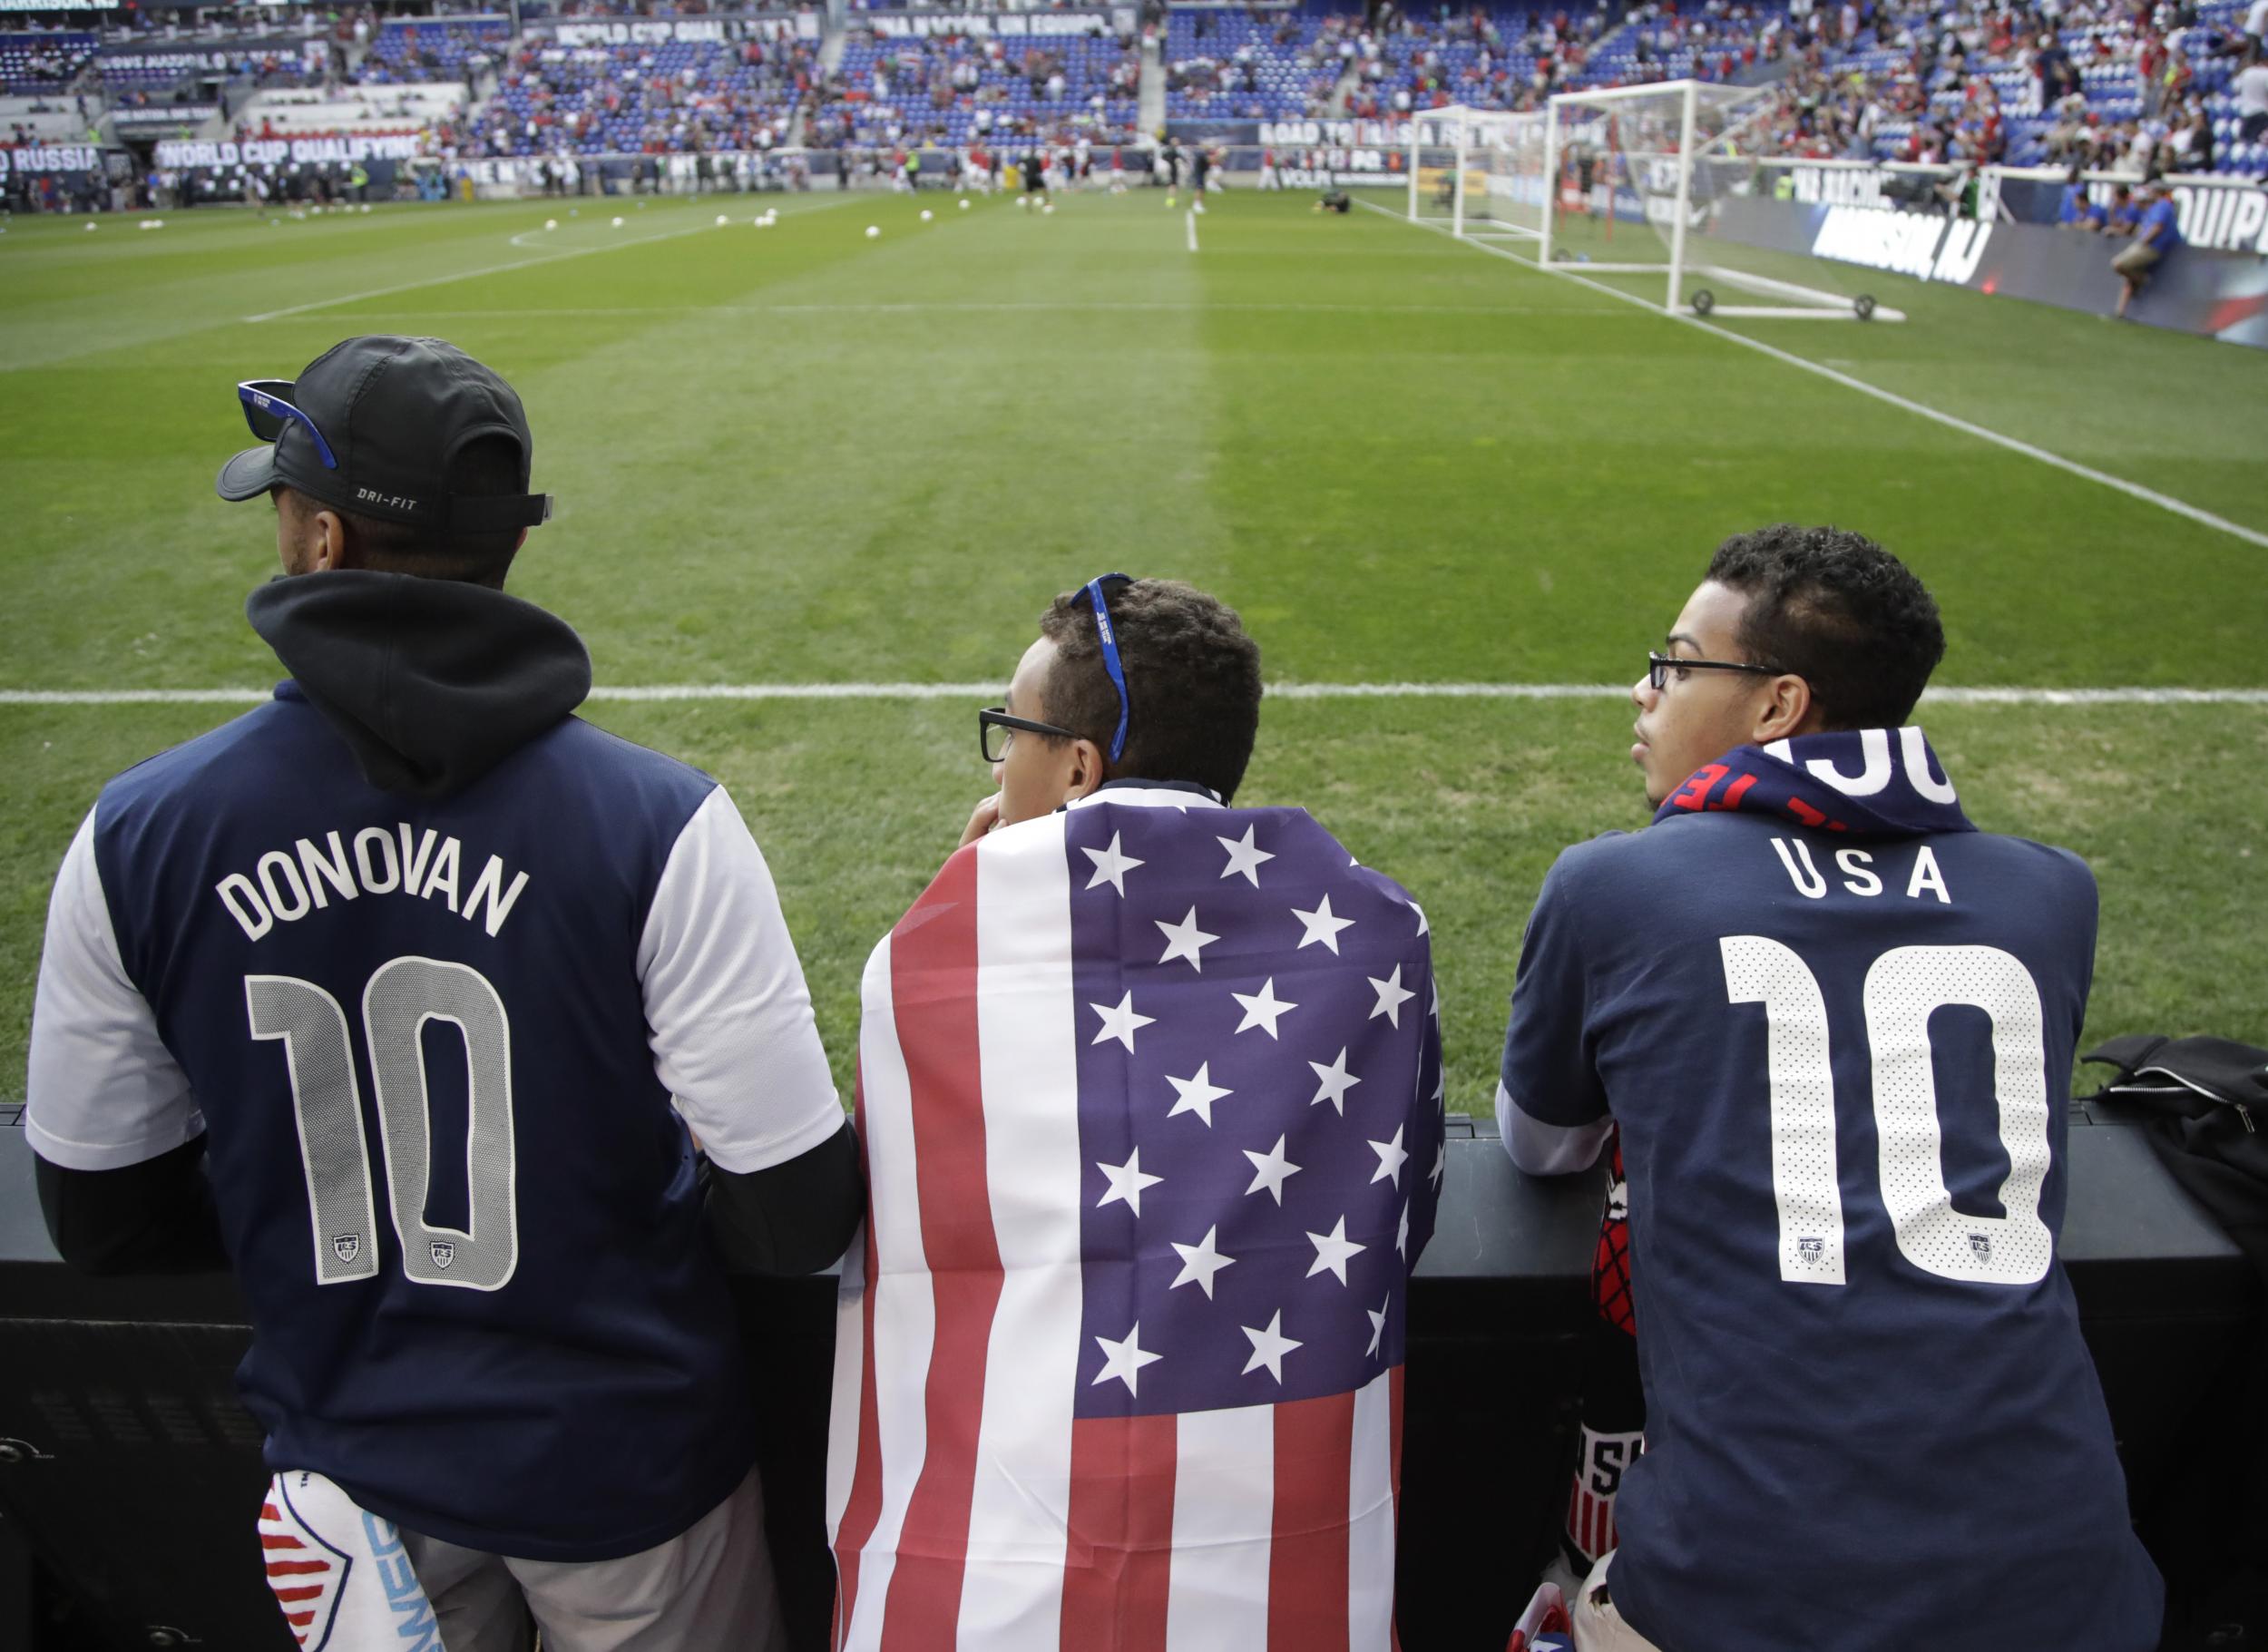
443 1253
1980 1247
347 1247
307 1573
1811 1250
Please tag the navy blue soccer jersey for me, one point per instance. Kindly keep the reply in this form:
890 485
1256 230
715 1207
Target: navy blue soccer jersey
1837 1053
444 1052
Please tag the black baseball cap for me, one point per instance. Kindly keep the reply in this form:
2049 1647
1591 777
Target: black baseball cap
373 425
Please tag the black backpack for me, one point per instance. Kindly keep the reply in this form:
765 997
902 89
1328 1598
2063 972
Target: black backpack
2203 1103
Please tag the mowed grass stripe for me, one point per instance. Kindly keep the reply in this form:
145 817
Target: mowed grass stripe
857 803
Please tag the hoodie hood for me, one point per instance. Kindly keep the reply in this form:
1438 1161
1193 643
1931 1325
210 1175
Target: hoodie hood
1867 782
431 683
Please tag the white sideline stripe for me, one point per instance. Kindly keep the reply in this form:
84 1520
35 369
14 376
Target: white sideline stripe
475 275
667 692
1192 222
1071 307
2165 502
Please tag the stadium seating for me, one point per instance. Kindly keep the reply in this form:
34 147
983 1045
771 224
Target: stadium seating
957 90
42 62
1231 65
667 97
423 50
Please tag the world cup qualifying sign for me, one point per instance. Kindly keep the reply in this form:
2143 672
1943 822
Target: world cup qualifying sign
276 151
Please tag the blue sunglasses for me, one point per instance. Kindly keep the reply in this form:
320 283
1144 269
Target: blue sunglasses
1111 661
268 408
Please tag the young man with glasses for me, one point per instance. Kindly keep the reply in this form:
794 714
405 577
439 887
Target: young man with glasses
398 994
1152 1104
1833 1023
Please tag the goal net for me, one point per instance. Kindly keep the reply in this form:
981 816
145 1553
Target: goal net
1478 172
1637 171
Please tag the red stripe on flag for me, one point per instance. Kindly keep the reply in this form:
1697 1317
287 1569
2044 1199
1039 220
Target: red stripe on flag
862 1508
933 985
300 1594
1393 1410
1117 1565
299 1619
268 1513
296 1569
1307 1563
268 1540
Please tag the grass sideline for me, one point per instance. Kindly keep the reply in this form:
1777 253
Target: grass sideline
795 454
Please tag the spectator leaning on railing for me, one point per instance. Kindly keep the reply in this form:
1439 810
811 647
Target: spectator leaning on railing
2157 235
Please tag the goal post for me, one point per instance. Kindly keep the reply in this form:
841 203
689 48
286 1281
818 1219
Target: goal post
1478 173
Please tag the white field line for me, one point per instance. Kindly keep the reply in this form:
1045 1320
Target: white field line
1192 222
475 275
2165 502
670 692
1010 308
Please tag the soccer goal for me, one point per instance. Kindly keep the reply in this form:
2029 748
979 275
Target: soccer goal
1478 173
1635 171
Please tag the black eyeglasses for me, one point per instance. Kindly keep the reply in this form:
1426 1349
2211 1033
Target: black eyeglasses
1659 665
995 728
268 408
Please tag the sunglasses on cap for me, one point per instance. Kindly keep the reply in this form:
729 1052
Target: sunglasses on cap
268 408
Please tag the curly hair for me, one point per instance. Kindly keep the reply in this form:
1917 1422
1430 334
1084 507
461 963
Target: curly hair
1192 681
1838 610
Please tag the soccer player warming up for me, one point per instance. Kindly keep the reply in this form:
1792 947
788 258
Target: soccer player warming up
1834 1024
398 994
1152 1103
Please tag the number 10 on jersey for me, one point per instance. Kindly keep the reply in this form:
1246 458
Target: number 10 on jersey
402 996
1905 987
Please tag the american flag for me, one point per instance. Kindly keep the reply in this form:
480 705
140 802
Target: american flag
307 1572
1150 1097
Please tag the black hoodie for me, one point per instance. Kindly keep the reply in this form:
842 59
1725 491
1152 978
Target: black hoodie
430 682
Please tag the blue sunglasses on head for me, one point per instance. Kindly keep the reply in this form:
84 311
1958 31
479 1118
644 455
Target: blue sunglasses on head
268 408
1111 661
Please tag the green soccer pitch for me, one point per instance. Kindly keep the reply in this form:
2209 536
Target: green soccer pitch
797 455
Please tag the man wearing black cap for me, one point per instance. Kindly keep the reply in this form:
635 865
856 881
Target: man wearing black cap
399 994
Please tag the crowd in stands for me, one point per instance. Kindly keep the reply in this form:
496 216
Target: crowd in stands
957 90
31 64
666 98
2143 86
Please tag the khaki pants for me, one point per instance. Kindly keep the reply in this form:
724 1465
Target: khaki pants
2137 260
1599 1627
707 1590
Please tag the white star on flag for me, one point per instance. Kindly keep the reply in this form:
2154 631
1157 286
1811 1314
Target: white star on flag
1119 1021
1392 996
1269 1347
1197 1094
1320 925
1124 1360
1423 925
1332 1250
1392 1156
1261 1009
1377 1328
1270 1169
1243 855
1441 1163
1185 940
1200 1263
1401 1233
1126 1182
1336 1081
1110 866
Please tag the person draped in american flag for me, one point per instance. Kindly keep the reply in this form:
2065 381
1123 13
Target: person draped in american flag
1150 1095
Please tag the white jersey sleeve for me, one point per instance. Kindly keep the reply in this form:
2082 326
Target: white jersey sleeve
104 1091
726 1011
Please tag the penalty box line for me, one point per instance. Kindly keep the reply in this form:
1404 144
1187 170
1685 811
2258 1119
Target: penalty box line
667 693
2134 490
